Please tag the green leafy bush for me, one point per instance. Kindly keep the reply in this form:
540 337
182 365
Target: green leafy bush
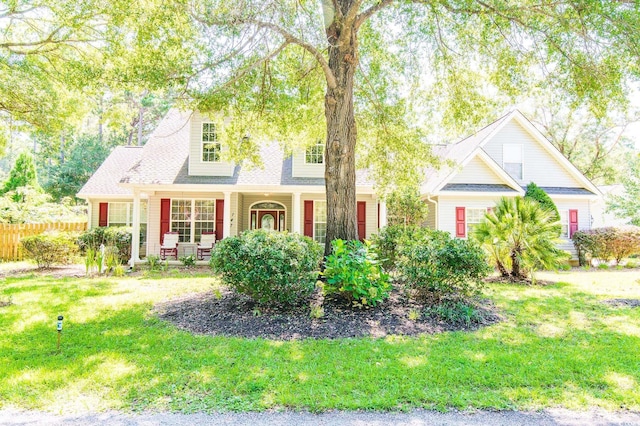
113 236
607 243
406 207
436 266
353 271
455 312
536 193
51 248
270 267
189 260
387 240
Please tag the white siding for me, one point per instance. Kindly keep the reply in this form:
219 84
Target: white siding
447 210
153 226
584 218
196 166
94 220
301 169
371 212
477 171
538 165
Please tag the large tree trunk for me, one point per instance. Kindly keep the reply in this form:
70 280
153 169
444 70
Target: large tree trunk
340 165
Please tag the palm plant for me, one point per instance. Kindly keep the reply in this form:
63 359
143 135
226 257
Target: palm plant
520 236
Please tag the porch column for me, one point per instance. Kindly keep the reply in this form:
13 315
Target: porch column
135 236
383 214
295 211
226 224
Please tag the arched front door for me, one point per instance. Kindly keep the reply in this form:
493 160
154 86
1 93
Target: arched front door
267 215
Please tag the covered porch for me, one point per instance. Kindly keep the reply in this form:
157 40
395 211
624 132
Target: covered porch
230 212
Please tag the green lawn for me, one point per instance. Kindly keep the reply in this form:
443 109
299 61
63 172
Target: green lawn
558 346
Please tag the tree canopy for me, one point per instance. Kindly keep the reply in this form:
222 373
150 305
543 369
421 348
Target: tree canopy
374 79
349 71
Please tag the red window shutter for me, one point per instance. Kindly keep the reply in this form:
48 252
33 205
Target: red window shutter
103 219
308 218
361 209
573 222
165 217
378 215
461 226
219 219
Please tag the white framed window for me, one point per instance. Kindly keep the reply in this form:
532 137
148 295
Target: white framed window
315 154
211 147
512 161
320 221
121 214
190 218
564 223
474 217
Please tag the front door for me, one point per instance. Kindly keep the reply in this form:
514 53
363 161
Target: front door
268 220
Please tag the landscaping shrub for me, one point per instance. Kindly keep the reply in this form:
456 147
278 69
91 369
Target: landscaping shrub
607 243
270 267
51 248
406 207
520 237
113 236
455 312
387 240
437 266
353 271
536 193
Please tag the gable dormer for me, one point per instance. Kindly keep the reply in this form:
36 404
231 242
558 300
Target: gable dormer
309 162
528 157
206 151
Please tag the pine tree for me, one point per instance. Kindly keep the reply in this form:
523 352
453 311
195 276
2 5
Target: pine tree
22 174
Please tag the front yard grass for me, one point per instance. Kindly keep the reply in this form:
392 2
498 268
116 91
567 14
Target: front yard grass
558 346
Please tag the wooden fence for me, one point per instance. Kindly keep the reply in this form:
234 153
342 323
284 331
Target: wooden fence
10 235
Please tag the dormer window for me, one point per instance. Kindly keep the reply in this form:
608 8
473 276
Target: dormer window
315 154
512 160
211 148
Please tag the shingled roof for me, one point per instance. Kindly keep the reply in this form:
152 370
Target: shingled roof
105 180
165 161
454 154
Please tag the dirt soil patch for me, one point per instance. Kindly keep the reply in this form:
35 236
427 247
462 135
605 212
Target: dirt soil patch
623 303
231 314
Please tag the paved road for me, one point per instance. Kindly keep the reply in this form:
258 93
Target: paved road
337 418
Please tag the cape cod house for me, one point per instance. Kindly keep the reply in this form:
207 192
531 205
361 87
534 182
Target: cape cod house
178 182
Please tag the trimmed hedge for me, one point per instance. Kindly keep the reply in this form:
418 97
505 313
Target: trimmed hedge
51 248
270 267
438 267
607 243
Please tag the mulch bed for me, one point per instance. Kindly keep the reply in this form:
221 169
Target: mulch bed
231 314
623 303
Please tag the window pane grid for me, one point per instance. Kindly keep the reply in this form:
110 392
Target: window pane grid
118 214
320 221
181 219
190 218
315 154
474 217
211 148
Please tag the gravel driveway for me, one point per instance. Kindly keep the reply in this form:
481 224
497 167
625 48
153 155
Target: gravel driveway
414 418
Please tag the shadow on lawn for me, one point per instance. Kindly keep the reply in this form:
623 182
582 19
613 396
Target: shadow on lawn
129 359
